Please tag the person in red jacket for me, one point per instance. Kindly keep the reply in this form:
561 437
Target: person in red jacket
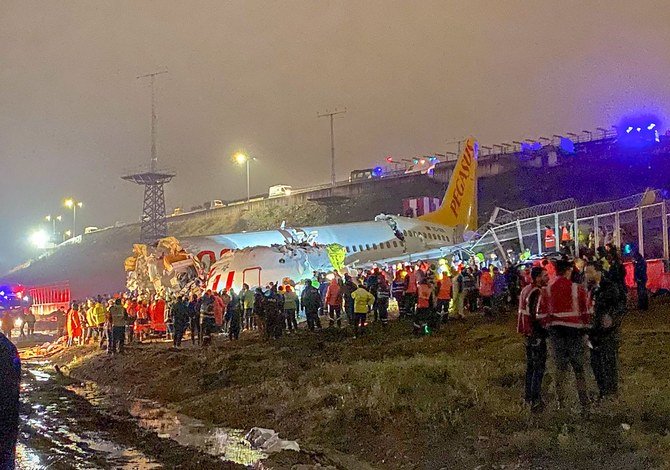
334 303
529 324
567 319
219 308
486 291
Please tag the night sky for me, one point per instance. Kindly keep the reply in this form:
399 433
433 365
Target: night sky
253 74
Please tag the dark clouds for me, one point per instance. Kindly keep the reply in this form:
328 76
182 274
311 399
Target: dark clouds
253 74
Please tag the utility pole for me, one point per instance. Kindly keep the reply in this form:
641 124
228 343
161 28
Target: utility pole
332 114
154 119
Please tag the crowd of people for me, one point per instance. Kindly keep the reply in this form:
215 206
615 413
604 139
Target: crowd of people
577 306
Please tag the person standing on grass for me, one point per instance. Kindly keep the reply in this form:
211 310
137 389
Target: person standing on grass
383 297
604 335
334 303
640 272
118 317
529 324
310 302
347 289
247 299
363 302
194 318
291 306
234 316
180 320
567 319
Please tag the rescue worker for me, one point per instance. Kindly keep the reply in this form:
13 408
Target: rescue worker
608 312
363 302
334 303
567 319
347 289
382 303
207 321
98 317
444 289
247 299
310 301
398 291
529 324
234 316
10 382
180 320
486 291
74 329
118 316
640 274
61 322
500 290
291 306
410 294
424 309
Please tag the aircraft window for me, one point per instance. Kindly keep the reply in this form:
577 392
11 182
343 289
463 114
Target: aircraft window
404 232
374 246
388 244
367 247
395 244
353 248
360 247
347 248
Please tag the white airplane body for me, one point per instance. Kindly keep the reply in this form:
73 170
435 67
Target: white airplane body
260 265
385 238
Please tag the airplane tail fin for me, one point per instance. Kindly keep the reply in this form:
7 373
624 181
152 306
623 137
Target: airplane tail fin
459 206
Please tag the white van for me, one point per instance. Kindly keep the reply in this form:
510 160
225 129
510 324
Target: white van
280 190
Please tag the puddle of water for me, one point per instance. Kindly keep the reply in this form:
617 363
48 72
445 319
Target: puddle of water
228 444
51 433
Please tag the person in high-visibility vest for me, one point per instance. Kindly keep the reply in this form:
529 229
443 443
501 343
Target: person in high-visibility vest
567 319
529 324
424 307
549 238
444 290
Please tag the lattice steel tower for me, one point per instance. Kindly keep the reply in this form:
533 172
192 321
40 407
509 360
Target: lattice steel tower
154 225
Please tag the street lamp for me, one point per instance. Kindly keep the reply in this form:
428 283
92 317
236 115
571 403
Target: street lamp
53 219
242 159
72 204
40 239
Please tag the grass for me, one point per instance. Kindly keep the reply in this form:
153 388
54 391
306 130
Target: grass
451 400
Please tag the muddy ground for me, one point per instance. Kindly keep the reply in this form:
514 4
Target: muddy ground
389 400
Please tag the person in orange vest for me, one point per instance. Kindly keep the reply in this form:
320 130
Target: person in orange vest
444 290
529 324
411 290
73 324
549 238
551 269
424 307
567 319
486 291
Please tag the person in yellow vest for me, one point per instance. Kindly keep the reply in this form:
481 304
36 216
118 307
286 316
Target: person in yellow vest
363 302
